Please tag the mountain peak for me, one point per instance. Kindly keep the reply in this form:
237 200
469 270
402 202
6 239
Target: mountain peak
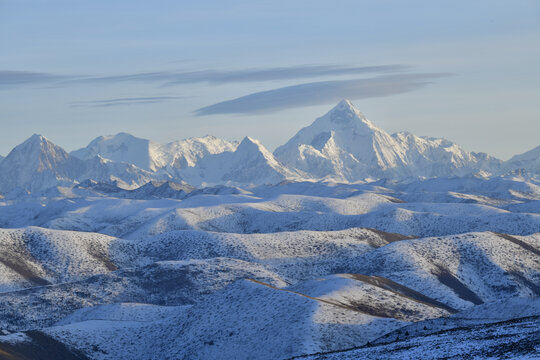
344 145
346 112
35 164
344 117
122 136
249 140
249 163
37 144
121 147
344 104
36 138
250 146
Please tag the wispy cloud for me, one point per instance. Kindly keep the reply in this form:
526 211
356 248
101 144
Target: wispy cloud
317 93
392 79
246 75
211 76
125 101
9 78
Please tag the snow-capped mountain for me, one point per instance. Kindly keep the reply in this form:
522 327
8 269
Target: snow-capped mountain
344 145
126 175
341 146
37 164
529 161
187 152
152 156
121 147
250 163
435 157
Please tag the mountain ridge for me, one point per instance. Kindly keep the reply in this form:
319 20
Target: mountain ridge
344 145
340 146
153 156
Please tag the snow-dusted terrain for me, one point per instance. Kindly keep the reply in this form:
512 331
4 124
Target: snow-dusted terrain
346 242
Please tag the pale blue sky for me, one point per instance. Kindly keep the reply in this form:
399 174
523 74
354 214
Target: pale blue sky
165 70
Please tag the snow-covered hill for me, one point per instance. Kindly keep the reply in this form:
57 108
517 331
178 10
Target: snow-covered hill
512 339
36 256
280 208
219 307
166 283
494 312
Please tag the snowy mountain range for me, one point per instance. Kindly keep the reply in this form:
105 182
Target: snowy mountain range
152 156
346 242
341 146
37 165
344 145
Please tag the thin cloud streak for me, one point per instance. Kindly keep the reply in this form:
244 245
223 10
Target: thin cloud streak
282 73
9 78
245 75
319 93
125 101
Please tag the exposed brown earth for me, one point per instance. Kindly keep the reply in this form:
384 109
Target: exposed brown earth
374 309
390 237
19 265
393 199
103 258
518 242
344 306
41 347
401 290
456 285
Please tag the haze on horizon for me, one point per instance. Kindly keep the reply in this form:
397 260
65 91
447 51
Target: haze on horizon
167 70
